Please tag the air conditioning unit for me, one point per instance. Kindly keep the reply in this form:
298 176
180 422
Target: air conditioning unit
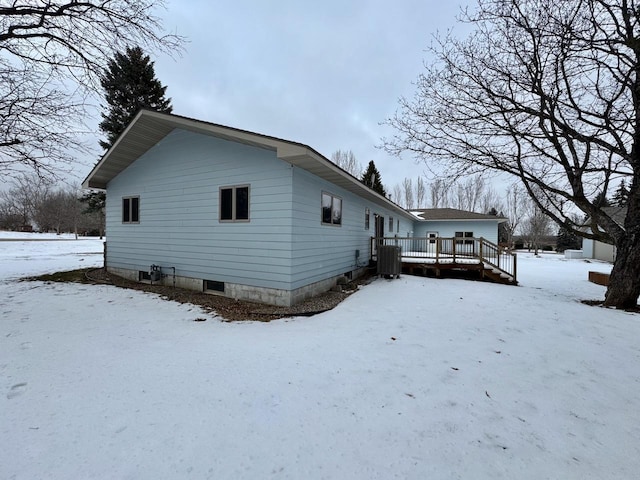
389 260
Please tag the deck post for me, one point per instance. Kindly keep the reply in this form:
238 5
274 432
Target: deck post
480 248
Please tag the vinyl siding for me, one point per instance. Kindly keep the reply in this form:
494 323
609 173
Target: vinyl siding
487 229
178 183
604 251
598 250
324 251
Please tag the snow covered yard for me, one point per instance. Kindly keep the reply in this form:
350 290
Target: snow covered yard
409 378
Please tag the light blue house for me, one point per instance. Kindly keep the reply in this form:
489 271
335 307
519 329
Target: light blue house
217 209
450 222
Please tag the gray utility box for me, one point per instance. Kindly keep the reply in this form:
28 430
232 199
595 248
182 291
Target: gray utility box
389 260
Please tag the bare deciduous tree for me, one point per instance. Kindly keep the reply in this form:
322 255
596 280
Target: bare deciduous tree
52 55
397 195
514 210
420 193
22 199
546 92
536 225
468 193
346 160
490 200
407 187
439 192
32 202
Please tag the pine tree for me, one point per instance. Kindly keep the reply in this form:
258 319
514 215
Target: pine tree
621 195
371 178
567 240
503 233
95 201
129 84
601 200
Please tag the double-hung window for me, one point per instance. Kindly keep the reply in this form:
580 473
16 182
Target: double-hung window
331 209
130 209
234 203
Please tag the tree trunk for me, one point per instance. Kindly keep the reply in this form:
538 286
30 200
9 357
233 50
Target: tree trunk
624 283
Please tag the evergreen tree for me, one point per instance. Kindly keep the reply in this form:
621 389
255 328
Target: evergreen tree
371 178
621 195
601 200
503 228
129 84
95 201
567 240
503 234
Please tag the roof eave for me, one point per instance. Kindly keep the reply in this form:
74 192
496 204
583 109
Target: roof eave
149 127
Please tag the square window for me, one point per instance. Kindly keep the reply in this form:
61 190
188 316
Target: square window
234 204
331 209
131 210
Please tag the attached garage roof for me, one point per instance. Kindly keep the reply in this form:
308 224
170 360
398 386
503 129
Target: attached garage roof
453 214
150 127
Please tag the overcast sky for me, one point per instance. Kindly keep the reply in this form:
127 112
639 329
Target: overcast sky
325 74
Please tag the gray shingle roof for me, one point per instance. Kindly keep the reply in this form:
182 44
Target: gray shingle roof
453 214
617 214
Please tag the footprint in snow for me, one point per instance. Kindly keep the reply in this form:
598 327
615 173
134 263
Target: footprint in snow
17 390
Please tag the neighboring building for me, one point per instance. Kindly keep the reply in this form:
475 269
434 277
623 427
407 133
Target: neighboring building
600 250
243 214
449 222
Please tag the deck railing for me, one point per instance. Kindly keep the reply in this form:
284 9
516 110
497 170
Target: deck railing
441 250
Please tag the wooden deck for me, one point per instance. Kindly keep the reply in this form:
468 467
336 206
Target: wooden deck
435 255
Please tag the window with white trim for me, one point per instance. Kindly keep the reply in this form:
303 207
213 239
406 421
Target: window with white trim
461 235
234 203
331 209
367 215
390 224
131 209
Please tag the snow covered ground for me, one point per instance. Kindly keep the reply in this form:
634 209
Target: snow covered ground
414 378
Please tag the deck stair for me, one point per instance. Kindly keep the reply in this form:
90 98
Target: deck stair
421 254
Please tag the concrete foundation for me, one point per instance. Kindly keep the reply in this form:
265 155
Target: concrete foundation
270 296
